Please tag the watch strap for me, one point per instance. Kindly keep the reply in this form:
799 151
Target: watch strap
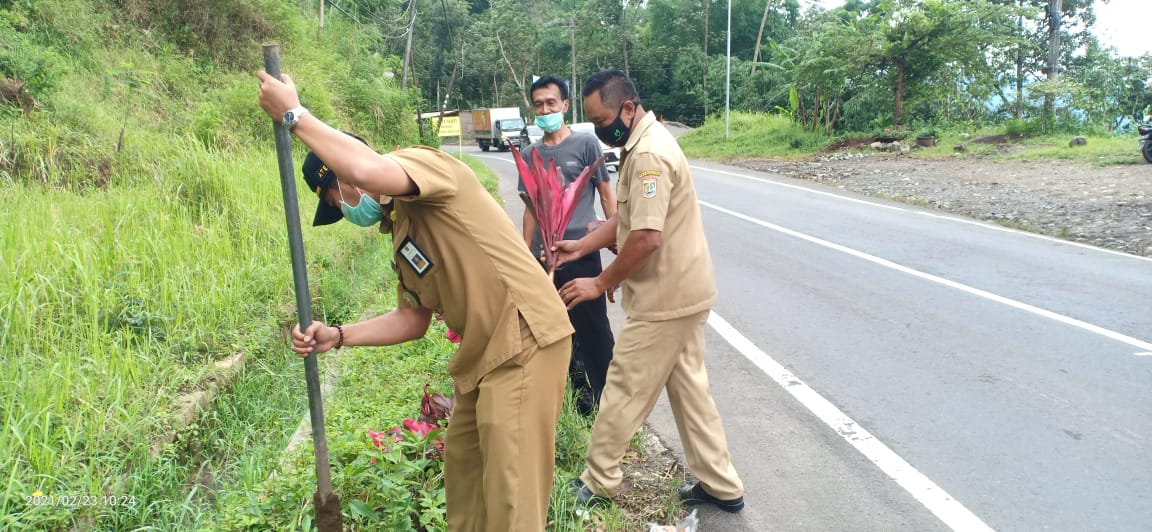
292 116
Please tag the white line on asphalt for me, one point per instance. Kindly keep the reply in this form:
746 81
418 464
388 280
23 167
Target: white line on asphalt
1145 354
501 159
1135 342
977 223
935 499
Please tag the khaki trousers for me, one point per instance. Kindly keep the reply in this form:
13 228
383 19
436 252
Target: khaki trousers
500 449
650 356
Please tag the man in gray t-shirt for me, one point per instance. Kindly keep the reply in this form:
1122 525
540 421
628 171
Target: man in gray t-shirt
593 341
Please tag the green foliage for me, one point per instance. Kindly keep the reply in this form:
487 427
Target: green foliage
1024 128
390 485
147 171
24 60
751 135
228 121
223 32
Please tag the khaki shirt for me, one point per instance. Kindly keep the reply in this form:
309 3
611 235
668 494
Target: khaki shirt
457 253
654 190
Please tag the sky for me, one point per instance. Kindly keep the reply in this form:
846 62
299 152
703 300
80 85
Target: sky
1119 23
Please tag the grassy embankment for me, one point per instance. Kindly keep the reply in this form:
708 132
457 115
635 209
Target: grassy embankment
143 241
753 135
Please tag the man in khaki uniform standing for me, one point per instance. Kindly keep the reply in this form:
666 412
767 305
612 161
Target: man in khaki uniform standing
457 255
669 287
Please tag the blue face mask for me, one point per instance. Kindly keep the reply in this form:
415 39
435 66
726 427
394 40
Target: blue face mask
365 214
550 123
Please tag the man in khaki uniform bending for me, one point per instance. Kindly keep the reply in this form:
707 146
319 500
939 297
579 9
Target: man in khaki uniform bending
669 287
457 255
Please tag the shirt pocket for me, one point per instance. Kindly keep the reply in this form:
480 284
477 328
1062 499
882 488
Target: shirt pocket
623 215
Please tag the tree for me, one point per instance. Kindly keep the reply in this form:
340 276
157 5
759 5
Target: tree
924 38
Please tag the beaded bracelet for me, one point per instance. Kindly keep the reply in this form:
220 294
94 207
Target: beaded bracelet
340 342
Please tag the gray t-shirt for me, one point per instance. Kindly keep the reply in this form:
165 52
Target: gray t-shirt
572 155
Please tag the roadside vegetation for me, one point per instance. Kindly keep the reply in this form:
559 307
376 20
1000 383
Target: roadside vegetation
146 272
145 266
766 135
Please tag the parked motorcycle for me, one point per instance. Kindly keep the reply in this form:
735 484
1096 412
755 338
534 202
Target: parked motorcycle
1145 132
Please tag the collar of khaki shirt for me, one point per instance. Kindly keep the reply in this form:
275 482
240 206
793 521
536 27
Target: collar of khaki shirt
643 124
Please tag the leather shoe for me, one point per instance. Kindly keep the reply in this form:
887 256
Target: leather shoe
695 494
584 495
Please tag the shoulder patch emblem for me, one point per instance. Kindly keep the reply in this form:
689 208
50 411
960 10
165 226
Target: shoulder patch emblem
648 187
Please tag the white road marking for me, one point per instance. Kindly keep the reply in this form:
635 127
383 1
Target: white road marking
1096 329
957 219
501 159
940 503
1145 354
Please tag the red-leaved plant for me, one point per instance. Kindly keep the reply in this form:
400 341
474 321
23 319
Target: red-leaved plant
434 408
551 206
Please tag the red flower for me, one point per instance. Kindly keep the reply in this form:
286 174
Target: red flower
450 335
419 428
377 438
551 206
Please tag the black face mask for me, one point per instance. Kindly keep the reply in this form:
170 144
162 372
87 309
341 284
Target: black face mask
616 134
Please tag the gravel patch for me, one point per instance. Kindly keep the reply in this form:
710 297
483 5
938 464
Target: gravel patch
1105 206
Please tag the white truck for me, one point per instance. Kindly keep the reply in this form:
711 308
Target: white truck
497 127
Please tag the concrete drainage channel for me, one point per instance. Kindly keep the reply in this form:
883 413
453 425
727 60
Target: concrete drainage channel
193 403
329 373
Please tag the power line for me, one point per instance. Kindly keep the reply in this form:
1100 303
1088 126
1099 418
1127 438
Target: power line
377 20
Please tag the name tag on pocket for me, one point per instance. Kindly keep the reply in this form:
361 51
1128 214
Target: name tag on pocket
415 257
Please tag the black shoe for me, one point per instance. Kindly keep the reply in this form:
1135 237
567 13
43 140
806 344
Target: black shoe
584 495
695 494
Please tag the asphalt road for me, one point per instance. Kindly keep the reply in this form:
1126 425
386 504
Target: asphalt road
884 367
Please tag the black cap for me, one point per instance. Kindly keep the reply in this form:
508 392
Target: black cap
319 177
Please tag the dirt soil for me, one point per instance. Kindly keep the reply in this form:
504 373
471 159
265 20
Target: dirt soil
1105 206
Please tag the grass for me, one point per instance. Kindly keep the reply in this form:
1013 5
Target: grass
142 239
116 304
773 136
750 135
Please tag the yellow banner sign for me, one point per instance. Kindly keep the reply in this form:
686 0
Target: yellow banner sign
450 126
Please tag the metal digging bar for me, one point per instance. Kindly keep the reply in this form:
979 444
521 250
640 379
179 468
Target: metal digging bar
327 504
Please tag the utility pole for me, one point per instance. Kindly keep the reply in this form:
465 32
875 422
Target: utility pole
573 88
408 49
706 59
728 74
321 30
1055 7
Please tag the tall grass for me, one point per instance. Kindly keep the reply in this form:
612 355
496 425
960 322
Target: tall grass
118 300
142 239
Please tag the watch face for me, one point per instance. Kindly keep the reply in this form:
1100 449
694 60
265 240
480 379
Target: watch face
289 118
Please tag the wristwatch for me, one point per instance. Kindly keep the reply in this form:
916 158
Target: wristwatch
292 116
